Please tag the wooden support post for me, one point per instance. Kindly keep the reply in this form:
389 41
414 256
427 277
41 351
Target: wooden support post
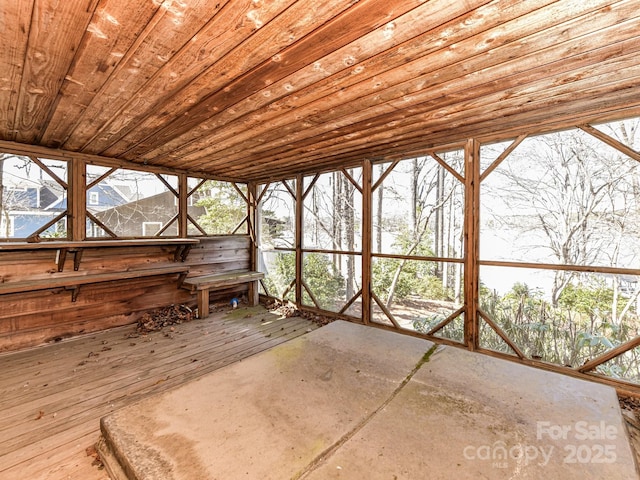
252 218
299 233
203 303
253 293
471 248
77 200
183 205
367 222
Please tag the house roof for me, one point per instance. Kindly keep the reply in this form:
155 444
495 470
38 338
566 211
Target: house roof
248 89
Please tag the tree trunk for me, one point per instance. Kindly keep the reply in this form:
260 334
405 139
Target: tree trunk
413 214
338 216
378 226
349 230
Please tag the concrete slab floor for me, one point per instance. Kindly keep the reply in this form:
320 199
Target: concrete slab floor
351 402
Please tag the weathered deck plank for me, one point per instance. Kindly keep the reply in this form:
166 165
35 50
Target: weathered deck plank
52 397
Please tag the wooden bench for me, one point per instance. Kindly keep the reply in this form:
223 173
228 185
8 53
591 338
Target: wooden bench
201 286
73 282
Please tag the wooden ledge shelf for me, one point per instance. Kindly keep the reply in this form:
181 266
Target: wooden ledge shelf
182 245
203 284
73 283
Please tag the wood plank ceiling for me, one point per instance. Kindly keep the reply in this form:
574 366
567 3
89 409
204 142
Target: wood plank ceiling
257 89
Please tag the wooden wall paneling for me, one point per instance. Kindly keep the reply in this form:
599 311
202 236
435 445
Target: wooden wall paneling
275 56
172 25
363 78
99 306
558 90
35 317
193 72
448 92
114 27
525 109
315 81
238 256
15 266
222 267
54 36
220 249
15 25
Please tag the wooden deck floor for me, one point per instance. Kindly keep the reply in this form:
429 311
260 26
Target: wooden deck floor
52 397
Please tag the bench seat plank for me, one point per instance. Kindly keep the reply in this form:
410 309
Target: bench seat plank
202 284
221 280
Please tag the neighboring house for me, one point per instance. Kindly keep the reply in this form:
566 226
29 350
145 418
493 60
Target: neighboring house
145 217
27 209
